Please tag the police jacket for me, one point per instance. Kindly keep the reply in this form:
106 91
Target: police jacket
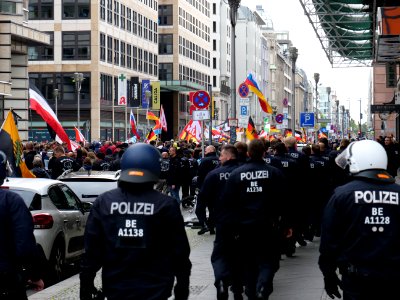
139 239
213 187
208 163
361 229
174 177
17 242
253 193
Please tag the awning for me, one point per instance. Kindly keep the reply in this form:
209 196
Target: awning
346 30
179 86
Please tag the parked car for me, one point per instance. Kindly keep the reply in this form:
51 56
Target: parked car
89 185
59 219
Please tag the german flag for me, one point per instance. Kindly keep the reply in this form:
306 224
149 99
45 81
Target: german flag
11 145
251 132
151 136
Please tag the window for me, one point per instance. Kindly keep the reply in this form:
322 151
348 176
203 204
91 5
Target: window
214 26
76 45
129 56
116 52
42 52
135 58
103 10
105 87
214 62
165 44
123 54
145 30
155 65
151 63
146 62
128 19
214 45
150 30
102 46
214 8
109 49
165 71
76 9
140 61
214 81
71 198
140 27
109 11
134 21
116 13
40 9
122 16
165 15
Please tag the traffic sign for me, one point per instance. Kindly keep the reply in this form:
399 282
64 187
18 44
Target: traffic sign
243 90
307 119
279 118
244 110
200 115
201 99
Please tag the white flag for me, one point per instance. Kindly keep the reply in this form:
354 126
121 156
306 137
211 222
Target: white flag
163 119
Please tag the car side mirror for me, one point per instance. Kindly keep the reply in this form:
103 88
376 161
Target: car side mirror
87 206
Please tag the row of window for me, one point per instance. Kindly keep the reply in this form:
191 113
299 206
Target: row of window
123 54
186 73
194 51
201 5
71 9
75 45
128 19
186 20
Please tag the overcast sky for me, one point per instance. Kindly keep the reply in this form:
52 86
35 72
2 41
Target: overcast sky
347 83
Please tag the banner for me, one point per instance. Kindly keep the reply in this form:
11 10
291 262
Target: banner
122 97
135 92
155 88
146 87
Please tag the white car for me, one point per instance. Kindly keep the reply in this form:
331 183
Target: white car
59 219
88 185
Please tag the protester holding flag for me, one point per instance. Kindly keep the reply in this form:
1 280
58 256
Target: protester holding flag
251 132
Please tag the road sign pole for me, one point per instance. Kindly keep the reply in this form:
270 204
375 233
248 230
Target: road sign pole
211 116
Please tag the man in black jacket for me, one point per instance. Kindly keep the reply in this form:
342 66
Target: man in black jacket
137 236
360 228
19 257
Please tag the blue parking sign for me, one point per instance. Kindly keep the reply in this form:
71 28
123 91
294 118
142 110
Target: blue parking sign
243 110
307 119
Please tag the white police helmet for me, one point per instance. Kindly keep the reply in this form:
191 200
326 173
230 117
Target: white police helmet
363 155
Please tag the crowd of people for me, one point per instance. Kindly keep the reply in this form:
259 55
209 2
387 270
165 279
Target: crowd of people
245 191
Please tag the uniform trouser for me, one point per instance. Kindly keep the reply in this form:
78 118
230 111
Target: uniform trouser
359 287
226 261
12 287
201 213
175 193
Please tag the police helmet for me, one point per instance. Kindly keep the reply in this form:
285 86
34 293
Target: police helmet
3 167
140 163
363 155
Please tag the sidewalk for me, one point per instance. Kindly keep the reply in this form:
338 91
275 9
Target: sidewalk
297 279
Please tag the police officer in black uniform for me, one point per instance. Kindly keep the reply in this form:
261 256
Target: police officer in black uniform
19 257
253 195
137 236
223 256
361 228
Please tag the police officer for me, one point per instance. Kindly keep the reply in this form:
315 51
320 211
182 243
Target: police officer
361 228
137 236
19 256
223 256
253 195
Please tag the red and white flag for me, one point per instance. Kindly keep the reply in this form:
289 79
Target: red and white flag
163 119
39 104
79 136
132 121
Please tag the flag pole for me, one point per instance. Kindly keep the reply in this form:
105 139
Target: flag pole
126 121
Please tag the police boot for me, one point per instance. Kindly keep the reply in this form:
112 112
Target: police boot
222 291
203 230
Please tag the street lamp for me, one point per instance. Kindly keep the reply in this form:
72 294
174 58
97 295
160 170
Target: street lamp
316 78
337 117
233 5
328 91
78 78
293 56
359 125
55 95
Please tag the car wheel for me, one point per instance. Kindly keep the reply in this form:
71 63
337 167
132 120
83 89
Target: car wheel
57 262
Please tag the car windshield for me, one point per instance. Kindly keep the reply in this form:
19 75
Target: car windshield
31 199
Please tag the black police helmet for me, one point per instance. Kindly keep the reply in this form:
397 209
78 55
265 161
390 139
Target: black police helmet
3 167
140 164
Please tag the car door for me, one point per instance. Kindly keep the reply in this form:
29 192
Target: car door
79 218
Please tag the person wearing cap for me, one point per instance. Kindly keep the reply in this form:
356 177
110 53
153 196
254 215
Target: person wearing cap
19 254
137 236
360 233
